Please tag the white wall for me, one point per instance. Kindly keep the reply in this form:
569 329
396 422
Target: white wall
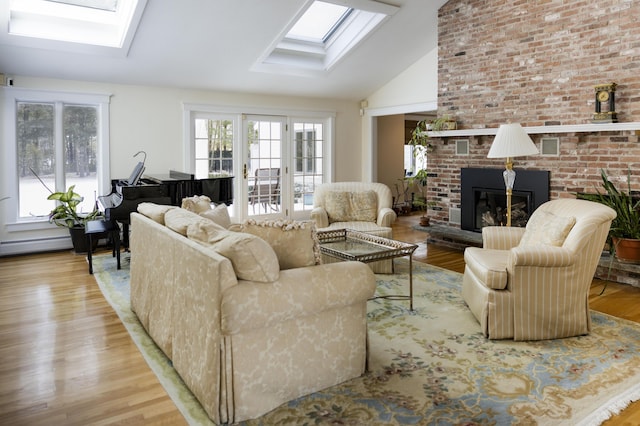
390 150
151 119
415 90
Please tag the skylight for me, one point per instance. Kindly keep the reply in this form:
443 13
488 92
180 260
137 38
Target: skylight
319 22
321 34
104 23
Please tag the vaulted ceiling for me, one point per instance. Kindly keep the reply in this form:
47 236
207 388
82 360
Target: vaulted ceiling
213 44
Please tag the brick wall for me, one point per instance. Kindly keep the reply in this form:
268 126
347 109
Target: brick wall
537 63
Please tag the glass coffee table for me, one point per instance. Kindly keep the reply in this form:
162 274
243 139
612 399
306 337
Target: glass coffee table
347 244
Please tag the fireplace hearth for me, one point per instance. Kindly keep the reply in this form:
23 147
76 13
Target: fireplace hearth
484 200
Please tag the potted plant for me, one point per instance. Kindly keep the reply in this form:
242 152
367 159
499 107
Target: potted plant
422 147
65 214
625 228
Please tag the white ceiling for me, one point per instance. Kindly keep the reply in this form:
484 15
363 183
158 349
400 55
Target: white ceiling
213 44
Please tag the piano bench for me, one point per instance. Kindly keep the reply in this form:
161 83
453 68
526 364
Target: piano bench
96 227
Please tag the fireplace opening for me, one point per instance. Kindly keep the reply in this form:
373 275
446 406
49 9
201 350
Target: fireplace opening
484 200
491 208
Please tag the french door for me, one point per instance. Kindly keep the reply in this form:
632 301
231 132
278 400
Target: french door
276 160
265 176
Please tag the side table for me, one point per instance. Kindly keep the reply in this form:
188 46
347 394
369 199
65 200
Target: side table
96 227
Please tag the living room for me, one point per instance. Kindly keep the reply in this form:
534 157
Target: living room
465 73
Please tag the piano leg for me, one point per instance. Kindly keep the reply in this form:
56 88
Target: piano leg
125 234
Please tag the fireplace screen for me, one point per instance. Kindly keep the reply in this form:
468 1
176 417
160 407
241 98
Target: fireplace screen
491 208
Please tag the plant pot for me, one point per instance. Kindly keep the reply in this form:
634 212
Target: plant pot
424 220
79 240
627 249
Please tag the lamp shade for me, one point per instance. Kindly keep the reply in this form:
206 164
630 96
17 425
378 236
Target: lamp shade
511 141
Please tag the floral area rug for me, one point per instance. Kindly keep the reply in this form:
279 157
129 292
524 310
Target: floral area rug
432 366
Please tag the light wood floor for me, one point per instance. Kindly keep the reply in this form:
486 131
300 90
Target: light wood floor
66 359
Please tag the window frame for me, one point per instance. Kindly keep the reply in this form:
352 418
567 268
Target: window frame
9 98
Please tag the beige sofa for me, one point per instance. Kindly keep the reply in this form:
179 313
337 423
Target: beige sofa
533 283
246 345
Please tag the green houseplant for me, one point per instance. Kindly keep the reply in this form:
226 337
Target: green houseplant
422 147
65 214
625 228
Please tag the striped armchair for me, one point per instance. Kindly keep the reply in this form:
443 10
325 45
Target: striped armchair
532 283
361 206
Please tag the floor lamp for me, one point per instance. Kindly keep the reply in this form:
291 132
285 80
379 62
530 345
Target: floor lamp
511 141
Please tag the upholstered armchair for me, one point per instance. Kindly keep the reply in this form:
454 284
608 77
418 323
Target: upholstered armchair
362 206
533 283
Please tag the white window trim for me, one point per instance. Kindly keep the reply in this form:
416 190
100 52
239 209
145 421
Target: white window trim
40 24
9 97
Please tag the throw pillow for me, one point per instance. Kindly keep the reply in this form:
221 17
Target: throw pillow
219 214
544 228
179 220
347 206
251 257
154 211
197 203
295 242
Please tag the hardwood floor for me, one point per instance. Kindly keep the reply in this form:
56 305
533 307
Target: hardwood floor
66 359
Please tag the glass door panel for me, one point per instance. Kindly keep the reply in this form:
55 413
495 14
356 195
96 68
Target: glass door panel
263 167
308 142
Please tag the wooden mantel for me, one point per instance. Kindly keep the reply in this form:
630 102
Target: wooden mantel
569 128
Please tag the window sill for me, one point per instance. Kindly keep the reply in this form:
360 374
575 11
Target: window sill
30 225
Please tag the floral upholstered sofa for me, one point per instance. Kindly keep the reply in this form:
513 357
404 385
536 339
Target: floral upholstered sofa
249 322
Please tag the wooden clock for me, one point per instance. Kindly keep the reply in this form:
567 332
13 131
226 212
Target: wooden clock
605 95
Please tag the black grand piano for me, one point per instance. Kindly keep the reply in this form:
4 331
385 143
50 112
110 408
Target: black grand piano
160 189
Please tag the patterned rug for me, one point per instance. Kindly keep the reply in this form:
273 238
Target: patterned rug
432 366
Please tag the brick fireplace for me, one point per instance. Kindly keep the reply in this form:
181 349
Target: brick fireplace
535 63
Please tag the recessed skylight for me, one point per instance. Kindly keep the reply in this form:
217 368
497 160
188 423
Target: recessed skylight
319 21
321 34
105 23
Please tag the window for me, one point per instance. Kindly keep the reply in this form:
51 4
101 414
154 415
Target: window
70 24
319 22
308 158
414 161
58 140
40 153
321 35
213 147
295 148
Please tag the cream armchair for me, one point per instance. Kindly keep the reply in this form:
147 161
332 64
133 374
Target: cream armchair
362 206
532 283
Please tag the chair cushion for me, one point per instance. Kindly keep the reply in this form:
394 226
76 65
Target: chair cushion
490 266
219 215
252 258
348 206
544 228
295 242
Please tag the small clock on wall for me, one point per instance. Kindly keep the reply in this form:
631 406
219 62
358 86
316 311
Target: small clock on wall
605 96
